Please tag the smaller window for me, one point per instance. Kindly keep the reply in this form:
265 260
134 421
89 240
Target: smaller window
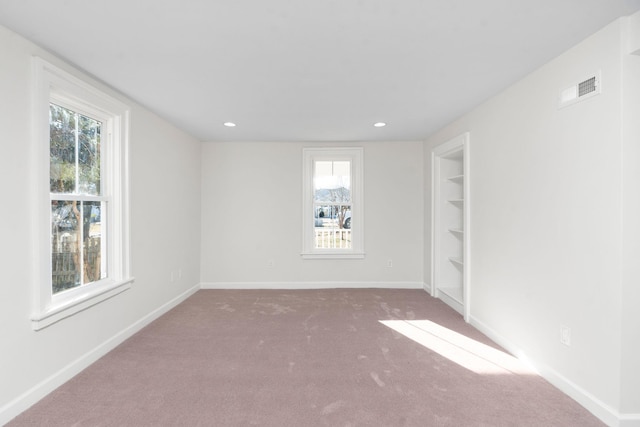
332 203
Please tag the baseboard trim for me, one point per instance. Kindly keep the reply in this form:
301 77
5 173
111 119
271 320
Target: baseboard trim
604 412
40 390
311 285
629 420
457 306
427 288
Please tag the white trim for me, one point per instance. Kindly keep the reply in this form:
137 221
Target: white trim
312 285
82 302
427 287
356 156
629 420
460 143
604 412
466 190
457 306
54 84
40 390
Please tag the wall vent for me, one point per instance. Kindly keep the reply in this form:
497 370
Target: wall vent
580 91
586 87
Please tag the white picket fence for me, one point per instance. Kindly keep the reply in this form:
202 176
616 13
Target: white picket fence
333 238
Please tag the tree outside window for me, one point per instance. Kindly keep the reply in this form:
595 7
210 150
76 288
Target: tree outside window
77 205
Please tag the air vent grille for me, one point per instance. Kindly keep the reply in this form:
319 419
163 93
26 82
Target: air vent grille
587 86
580 91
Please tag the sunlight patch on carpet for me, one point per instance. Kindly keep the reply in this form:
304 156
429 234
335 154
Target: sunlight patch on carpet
466 352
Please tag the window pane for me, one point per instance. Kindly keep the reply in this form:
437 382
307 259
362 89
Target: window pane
324 215
65 237
332 228
343 216
77 247
332 181
74 144
332 204
62 146
94 246
89 155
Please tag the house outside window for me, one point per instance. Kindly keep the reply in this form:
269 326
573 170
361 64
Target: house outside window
332 197
81 145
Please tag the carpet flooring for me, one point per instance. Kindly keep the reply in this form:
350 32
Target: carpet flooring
330 357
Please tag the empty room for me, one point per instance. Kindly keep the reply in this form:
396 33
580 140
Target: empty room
329 213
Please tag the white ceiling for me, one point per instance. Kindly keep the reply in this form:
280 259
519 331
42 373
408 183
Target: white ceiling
309 70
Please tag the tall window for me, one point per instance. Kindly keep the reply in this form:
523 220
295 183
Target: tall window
332 211
81 138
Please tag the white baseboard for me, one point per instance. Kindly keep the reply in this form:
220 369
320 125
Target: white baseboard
457 306
40 390
427 287
629 420
311 285
604 412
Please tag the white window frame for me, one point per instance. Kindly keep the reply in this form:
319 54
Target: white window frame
52 84
355 156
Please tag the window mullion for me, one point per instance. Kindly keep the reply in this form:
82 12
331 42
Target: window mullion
77 197
77 151
81 244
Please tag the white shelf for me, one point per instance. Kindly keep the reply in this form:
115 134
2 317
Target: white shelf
450 235
456 155
456 260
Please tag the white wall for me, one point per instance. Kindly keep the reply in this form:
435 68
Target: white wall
251 213
631 213
165 223
547 224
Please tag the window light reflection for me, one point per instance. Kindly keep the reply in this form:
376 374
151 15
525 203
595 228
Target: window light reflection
466 352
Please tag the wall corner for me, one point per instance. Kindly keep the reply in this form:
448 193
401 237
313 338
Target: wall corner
632 36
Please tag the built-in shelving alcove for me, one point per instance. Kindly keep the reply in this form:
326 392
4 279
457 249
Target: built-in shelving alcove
450 232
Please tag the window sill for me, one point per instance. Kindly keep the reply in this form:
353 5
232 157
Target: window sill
68 308
332 255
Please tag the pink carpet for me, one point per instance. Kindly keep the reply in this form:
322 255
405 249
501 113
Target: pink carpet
307 358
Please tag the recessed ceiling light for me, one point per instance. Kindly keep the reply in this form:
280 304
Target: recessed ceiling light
380 124
230 124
